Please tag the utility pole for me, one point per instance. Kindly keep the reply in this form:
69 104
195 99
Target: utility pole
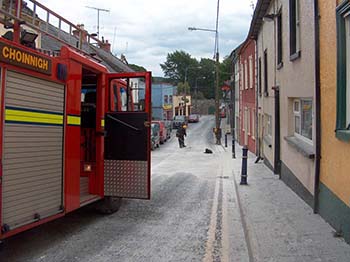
98 17
217 88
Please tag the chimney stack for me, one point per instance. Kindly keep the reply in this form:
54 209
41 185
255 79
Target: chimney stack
84 33
105 45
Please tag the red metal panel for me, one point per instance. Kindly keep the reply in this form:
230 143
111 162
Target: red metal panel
85 61
96 182
72 138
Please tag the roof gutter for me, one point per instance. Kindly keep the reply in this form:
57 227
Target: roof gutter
317 109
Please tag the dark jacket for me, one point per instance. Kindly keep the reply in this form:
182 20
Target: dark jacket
181 132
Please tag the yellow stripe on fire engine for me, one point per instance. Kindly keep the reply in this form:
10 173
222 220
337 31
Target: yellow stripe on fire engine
32 117
102 123
73 120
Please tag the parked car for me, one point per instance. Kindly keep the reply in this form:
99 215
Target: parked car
194 118
169 128
178 120
162 130
155 137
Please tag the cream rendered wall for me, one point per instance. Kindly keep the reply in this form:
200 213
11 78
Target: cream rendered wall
266 103
296 79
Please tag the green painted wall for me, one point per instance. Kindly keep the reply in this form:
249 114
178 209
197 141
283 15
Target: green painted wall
334 211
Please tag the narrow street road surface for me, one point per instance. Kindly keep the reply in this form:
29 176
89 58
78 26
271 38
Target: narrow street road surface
193 215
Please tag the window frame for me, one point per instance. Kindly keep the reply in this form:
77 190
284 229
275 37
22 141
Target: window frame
266 82
253 124
250 65
298 113
342 133
279 40
259 77
245 74
294 30
268 125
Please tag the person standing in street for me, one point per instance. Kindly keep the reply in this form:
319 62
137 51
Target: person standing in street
180 134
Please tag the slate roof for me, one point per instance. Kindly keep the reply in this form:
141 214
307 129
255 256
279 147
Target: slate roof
111 62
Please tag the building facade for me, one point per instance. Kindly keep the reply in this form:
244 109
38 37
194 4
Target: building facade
182 105
334 184
286 87
162 101
247 98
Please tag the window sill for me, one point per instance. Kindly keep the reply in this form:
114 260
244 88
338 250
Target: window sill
280 65
343 135
268 141
295 56
301 146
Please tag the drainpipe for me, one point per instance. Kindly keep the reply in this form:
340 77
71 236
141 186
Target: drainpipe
318 108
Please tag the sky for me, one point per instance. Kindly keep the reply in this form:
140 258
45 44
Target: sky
145 31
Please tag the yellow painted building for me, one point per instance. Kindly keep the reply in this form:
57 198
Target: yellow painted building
182 106
334 188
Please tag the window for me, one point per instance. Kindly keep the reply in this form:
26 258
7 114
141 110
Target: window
294 29
259 75
268 125
302 110
241 76
343 74
245 75
250 71
279 41
166 101
249 121
245 119
253 123
266 90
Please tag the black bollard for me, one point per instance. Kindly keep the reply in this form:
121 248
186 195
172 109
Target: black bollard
225 139
244 174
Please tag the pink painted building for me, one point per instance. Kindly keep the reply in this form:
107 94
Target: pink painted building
247 96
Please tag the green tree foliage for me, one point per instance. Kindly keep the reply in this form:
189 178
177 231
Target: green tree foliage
207 85
176 64
183 88
137 68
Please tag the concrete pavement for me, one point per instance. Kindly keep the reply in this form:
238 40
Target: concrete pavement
278 225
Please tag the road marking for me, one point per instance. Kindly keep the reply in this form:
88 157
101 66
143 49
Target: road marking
217 246
208 257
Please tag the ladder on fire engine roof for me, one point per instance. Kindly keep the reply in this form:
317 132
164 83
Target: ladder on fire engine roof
54 25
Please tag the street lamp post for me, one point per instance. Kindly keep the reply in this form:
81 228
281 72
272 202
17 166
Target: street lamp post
217 88
216 54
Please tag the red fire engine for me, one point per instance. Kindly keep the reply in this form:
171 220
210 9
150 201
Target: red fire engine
68 137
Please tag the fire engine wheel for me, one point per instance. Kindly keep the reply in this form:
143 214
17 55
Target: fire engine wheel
109 205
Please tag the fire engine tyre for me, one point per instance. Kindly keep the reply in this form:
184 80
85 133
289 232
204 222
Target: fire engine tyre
109 205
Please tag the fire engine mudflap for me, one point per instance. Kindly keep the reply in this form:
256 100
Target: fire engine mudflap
63 144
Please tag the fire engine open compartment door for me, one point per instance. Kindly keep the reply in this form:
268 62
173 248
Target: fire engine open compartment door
127 171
